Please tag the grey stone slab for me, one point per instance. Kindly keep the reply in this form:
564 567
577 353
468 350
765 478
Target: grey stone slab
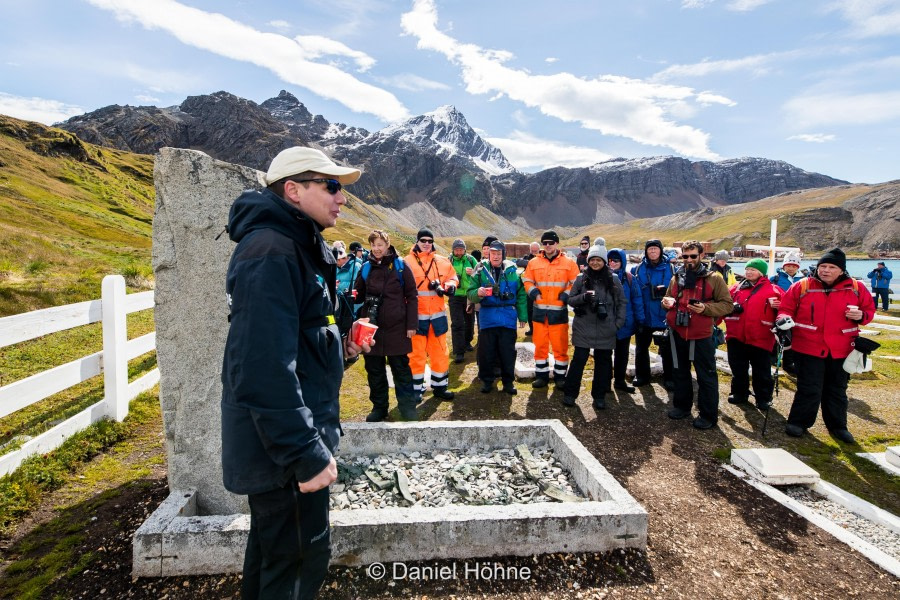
774 466
178 541
892 455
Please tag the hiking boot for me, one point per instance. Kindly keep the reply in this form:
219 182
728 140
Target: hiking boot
677 413
637 382
443 393
568 400
408 413
469 348
599 403
842 435
794 430
377 415
732 399
621 385
539 383
763 405
509 388
487 387
459 358
528 332
701 423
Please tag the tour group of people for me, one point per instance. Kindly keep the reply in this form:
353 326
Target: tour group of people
293 298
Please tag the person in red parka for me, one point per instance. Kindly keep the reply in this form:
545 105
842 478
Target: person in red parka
749 335
827 308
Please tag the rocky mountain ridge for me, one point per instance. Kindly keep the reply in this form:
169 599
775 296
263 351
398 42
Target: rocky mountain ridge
440 160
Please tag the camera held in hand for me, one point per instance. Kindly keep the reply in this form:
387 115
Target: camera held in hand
507 295
435 286
600 308
658 291
737 308
682 318
373 306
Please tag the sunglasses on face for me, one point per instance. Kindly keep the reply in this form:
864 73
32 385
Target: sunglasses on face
549 243
585 244
426 241
690 256
332 186
612 260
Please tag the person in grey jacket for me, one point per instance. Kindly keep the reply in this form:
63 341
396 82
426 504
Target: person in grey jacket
600 310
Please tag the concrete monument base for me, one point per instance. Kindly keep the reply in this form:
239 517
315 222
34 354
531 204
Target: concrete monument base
176 540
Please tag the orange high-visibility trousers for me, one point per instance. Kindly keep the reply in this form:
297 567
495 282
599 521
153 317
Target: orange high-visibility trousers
544 337
432 348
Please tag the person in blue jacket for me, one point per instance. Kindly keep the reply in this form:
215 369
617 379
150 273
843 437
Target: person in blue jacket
653 275
348 268
497 288
616 259
881 284
282 371
789 273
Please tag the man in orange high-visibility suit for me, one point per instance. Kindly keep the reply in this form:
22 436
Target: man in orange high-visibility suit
435 278
548 278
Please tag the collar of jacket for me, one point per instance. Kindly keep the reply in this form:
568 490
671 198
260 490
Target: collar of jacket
388 257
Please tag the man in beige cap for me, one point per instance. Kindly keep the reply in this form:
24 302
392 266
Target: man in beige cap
282 371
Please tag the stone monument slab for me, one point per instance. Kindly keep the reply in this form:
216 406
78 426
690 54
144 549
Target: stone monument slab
774 466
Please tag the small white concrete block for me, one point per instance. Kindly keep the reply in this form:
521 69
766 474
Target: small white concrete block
892 455
774 466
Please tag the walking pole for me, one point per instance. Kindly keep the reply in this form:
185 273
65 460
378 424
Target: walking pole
778 356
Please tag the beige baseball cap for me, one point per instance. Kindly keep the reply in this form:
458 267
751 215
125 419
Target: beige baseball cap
300 159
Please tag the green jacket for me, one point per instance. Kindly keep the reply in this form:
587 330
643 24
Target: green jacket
507 304
459 265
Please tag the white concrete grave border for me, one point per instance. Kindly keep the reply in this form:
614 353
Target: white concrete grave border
175 540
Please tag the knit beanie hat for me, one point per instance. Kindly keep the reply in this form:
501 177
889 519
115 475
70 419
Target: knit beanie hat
758 264
835 257
487 241
354 246
550 236
458 243
598 250
656 243
722 255
424 232
791 258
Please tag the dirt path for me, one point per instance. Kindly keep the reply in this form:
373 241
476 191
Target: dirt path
710 535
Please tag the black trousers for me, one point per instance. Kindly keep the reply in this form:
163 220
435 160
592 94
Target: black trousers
885 295
741 358
602 372
620 360
642 340
820 381
530 307
378 382
462 324
289 545
707 377
497 344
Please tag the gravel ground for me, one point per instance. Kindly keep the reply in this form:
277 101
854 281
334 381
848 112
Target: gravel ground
883 538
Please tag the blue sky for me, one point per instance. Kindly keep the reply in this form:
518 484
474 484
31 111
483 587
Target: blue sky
569 83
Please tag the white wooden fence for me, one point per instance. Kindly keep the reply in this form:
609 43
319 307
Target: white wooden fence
112 361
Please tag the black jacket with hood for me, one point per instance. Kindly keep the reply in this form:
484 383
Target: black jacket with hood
283 361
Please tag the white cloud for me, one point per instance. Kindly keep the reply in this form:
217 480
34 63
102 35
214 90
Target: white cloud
746 5
147 99
279 25
870 18
529 153
613 105
816 138
293 61
551 60
520 118
842 109
707 98
758 64
41 110
695 3
412 83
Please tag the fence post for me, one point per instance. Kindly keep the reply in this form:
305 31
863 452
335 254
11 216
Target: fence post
115 339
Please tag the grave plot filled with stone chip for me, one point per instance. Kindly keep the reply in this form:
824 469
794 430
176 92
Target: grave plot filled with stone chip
477 476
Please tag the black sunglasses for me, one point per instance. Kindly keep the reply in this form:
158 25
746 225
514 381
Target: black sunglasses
425 241
691 256
585 243
333 186
548 243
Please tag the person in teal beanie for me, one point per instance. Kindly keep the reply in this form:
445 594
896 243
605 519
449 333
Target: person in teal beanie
462 321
